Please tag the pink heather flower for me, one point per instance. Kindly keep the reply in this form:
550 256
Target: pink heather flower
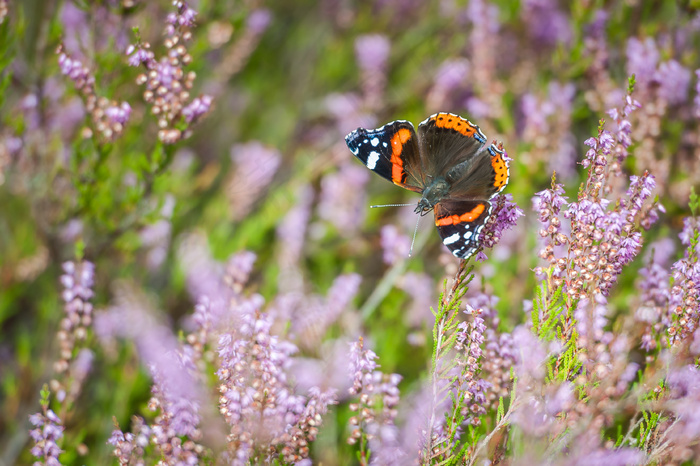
642 59
311 316
118 113
184 16
546 22
420 289
343 201
256 399
451 74
504 217
674 82
372 52
198 107
484 18
48 429
256 165
348 113
139 55
258 20
75 70
291 231
395 245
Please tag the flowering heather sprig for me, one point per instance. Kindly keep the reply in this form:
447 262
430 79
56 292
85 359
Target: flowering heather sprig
256 399
486 100
504 217
642 59
374 390
167 84
394 244
469 388
499 350
449 78
238 270
108 117
315 314
602 241
548 205
129 448
256 166
291 235
547 24
78 281
344 188
372 52
48 430
684 301
623 130
654 297
177 418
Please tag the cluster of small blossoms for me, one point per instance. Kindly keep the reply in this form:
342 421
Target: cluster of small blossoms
48 430
129 448
372 52
623 131
684 299
108 117
167 84
653 300
374 390
499 351
177 418
470 389
77 281
298 437
602 241
504 217
265 416
548 205
256 166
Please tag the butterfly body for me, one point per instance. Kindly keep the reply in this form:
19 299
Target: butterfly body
448 162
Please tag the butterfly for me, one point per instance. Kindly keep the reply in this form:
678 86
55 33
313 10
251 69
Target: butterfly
448 162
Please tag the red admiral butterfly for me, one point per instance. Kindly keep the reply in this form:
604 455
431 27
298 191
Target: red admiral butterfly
448 162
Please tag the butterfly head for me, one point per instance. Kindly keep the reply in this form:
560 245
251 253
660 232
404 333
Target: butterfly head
436 191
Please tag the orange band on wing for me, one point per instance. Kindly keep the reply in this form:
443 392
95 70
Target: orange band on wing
397 142
459 124
466 217
501 169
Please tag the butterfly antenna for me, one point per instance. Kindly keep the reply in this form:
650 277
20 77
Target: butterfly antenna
389 205
415 231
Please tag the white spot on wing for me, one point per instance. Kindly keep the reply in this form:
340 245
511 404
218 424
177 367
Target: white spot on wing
451 239
375 142
372 160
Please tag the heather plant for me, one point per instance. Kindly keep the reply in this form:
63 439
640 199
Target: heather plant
190 272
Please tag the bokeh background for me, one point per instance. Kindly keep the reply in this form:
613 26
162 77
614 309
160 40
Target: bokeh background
251 189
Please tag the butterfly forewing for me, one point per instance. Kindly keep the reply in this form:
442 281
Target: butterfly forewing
460 222
390 151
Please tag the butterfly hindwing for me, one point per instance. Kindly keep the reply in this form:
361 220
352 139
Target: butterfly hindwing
390 151
459 223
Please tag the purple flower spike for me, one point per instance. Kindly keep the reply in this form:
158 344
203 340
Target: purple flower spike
47 432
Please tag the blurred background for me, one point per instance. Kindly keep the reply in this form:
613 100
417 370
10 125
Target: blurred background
165 202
